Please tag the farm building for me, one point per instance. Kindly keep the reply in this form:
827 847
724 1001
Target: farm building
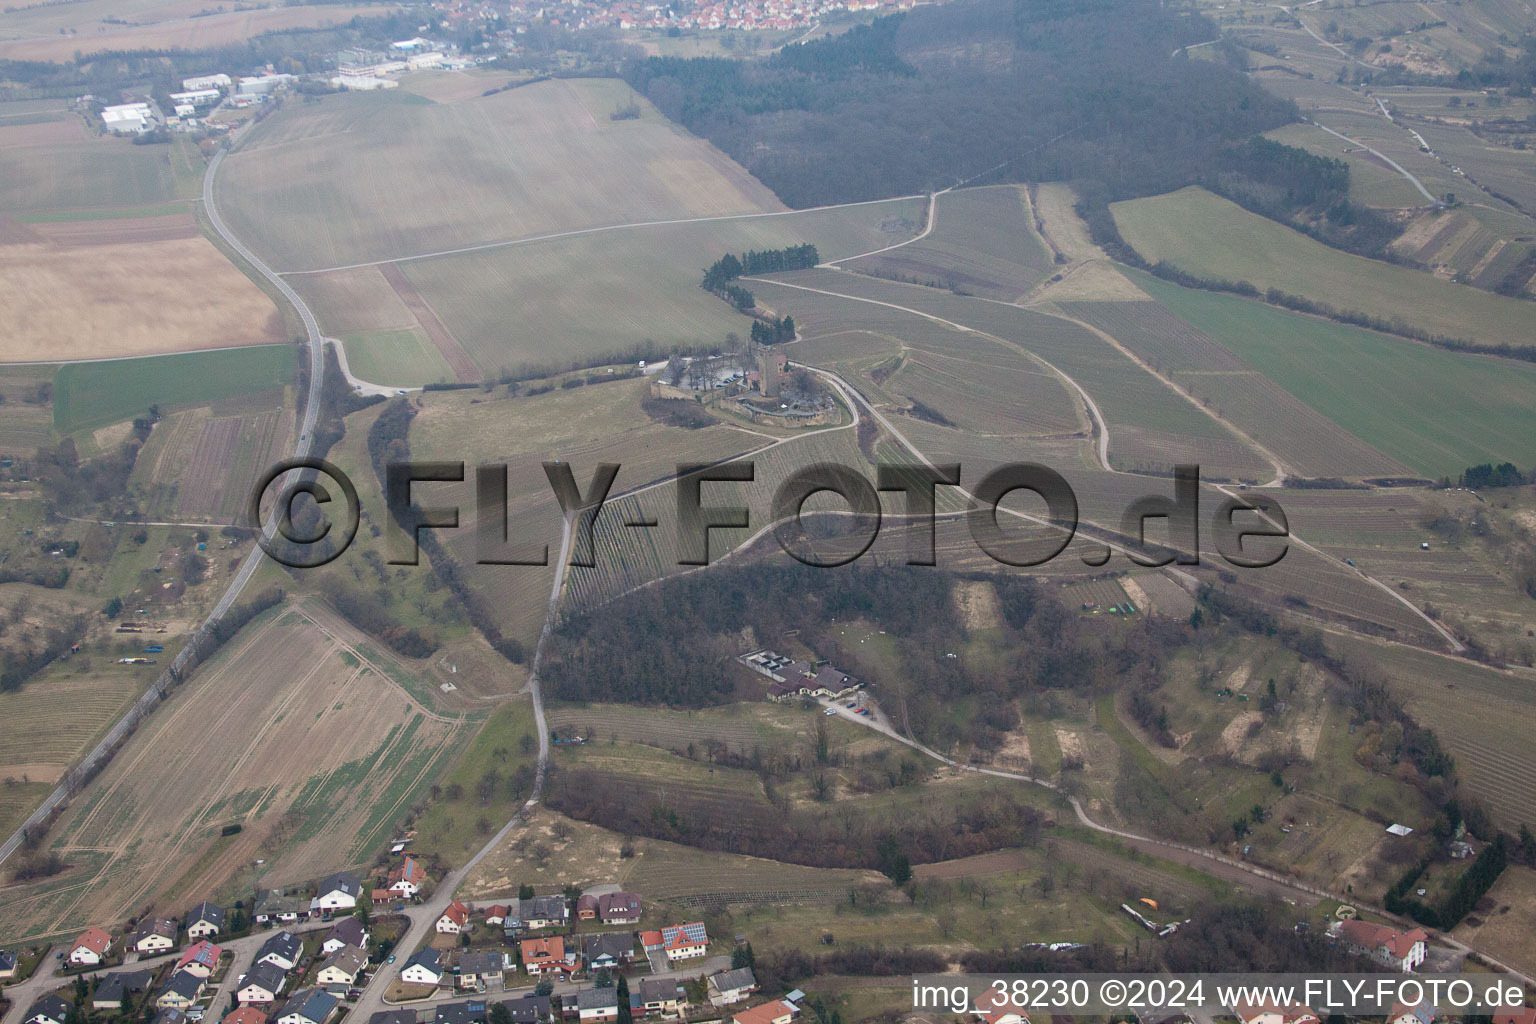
90 947
128 118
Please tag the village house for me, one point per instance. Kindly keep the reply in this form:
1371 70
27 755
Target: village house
1420 1013
546 956
392 1017
586 907
607 950
655 997
204 920
776 1012
382 897
684 941
994 1007
729 987
261 986
597 1005
477 970
474 1011
308 1006
530 1009
342 968
282 951
7 965
407 879
181 991
618 908
1402 951
48 1010
200 959
171 1015
244 1015
272 905
155 935
1274 1013
337 892
349 931
116 988
90 947
425 968
454 920
496 914
534 914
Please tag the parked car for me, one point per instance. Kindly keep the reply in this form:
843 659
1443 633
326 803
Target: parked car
391 959
830 711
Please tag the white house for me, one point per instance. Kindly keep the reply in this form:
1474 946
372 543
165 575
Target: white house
308 1006
342 967
425 968
261 986
684 941
282 951
204 920
729 987
90 947
337 892
349 931
407 879
454 920
1274 1013
155 935
1402 951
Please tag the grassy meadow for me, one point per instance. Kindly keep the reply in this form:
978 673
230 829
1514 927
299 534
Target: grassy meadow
1211 237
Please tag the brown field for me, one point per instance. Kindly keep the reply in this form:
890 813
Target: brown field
356 300
319 745
39 742
185 32
453 86
124 231
170 295
212 479
67 128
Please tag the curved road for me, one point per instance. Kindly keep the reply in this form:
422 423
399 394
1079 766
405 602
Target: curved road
247 569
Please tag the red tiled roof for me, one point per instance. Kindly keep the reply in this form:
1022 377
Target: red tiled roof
94 939
205 953
764 1014
408 871
543 950
1376 936
457 912
245 1015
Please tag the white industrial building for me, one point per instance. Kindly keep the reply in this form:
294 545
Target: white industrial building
185 110
363 83
128 118
418 61
197 97
207 82
262 86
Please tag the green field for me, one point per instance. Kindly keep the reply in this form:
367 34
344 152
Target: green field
390 175
395 357
80 175
1430 409
1211 237
455 828
91 395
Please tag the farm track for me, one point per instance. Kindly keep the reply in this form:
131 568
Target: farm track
248 568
